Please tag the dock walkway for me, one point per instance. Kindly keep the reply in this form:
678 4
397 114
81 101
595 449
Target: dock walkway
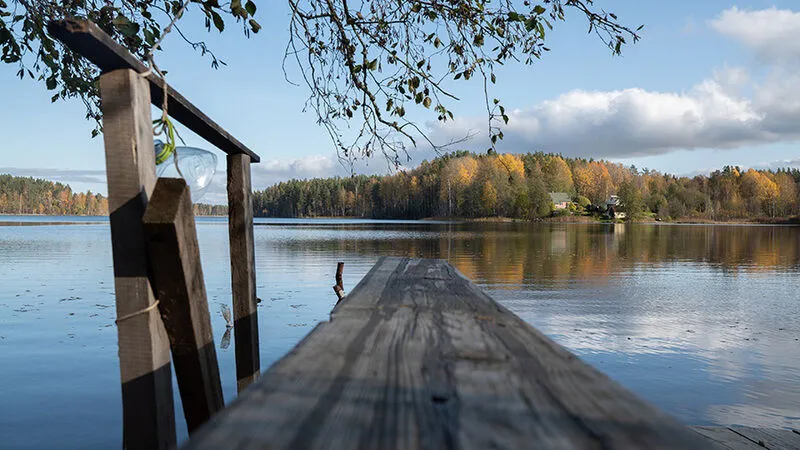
416 356
747 438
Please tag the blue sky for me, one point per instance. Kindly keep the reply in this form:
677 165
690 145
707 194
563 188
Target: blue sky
711 83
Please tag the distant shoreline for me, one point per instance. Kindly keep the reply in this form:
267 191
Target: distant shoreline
558 219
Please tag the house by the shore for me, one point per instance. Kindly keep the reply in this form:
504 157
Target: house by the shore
612 205
561 200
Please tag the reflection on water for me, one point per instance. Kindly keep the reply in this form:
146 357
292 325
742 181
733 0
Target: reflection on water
703 321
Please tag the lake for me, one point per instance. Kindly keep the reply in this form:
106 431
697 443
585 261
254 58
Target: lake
701 320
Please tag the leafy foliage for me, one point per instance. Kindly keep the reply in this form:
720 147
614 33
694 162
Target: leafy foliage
136 24
367 62
371 60
20 195
462 184
25 195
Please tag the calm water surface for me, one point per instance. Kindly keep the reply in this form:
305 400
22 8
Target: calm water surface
703 321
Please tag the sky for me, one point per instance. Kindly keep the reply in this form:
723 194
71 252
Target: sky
711 83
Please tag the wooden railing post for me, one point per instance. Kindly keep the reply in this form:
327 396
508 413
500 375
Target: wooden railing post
178 277
243 272
147 408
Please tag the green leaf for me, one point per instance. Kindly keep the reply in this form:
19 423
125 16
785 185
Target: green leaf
254 25
250 7
426 102
149 38
494 79
125 26
539 9
51 83
218 22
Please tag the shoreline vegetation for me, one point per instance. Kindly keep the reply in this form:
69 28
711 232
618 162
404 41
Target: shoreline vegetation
559 219
491 187
524 187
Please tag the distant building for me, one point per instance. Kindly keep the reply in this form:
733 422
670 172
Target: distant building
560 199
612 205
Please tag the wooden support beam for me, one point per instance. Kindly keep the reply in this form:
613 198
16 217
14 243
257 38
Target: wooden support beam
243 271
147 407
178 278
89 41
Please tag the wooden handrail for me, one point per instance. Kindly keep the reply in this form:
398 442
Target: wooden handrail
89 41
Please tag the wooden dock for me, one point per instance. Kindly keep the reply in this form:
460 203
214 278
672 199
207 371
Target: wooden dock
419 357
747 438
415 357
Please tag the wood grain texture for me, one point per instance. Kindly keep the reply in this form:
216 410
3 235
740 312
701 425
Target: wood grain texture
770 438
178 280
243 270
726 439
418 357
88 40
148 412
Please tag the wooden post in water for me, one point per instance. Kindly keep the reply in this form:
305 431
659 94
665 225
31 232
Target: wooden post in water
148 415
178 278
338 288
243 272
339 273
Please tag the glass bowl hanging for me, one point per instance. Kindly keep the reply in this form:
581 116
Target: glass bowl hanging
195 165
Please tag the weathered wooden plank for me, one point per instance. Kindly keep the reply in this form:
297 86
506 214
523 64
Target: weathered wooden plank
772 439
418 357
725 438
147 407
178 280
88 40
243 271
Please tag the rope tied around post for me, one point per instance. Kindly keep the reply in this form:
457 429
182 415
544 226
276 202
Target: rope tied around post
164 125
136 313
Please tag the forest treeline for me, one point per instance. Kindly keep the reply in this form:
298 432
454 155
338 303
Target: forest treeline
464 184
26 195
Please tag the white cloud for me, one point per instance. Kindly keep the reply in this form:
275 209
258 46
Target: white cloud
310 166
780 164
65 176
727 110
772 33
633 122
271 171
